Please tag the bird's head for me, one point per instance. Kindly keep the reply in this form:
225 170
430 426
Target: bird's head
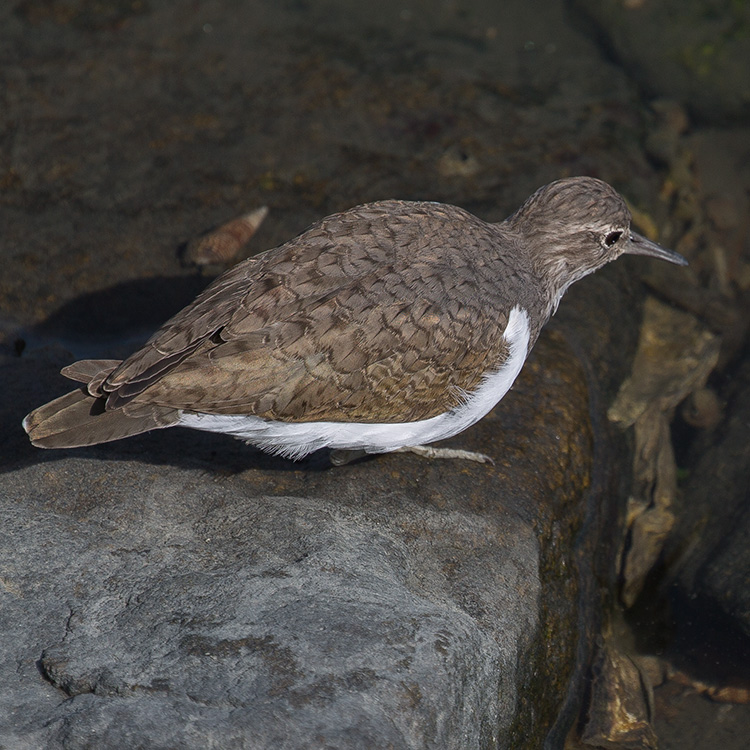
575 226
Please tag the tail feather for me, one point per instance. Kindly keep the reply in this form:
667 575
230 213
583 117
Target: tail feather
93 372
77 419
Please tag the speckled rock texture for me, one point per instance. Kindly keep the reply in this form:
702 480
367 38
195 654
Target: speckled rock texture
182 590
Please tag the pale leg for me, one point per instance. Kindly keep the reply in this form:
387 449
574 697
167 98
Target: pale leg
341 457
427 451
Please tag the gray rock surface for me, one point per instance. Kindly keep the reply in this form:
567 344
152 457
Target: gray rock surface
195 612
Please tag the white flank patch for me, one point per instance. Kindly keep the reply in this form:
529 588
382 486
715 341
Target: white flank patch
297 439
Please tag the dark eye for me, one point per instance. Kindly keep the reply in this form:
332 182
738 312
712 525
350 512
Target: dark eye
612 238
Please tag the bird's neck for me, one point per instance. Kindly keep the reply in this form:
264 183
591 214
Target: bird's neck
553 267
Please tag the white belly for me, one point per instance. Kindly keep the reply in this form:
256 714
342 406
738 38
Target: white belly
297 439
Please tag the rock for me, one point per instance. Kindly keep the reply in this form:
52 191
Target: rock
702 409
675 357
620 713
216 614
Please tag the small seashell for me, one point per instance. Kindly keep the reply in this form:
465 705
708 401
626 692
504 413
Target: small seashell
222 244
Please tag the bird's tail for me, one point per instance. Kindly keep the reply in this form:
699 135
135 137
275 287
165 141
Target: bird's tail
81 418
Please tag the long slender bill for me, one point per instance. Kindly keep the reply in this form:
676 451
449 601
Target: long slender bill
639 245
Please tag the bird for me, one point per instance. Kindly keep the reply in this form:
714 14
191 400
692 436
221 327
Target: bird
386 327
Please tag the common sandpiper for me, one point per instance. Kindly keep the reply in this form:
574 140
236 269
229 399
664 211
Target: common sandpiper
386 327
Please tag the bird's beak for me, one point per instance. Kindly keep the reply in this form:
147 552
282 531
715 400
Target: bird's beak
639 245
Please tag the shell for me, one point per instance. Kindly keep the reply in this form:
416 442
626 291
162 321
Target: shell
222 244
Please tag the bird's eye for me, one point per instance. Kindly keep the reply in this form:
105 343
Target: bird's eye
612 238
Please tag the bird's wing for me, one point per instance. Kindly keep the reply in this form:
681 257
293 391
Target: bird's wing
332 364
351 321
260 289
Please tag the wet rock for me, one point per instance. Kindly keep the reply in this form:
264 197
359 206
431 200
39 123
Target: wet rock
675 357
694 52
621 709
702 409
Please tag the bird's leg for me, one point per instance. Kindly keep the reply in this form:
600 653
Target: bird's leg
341 457
427 451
